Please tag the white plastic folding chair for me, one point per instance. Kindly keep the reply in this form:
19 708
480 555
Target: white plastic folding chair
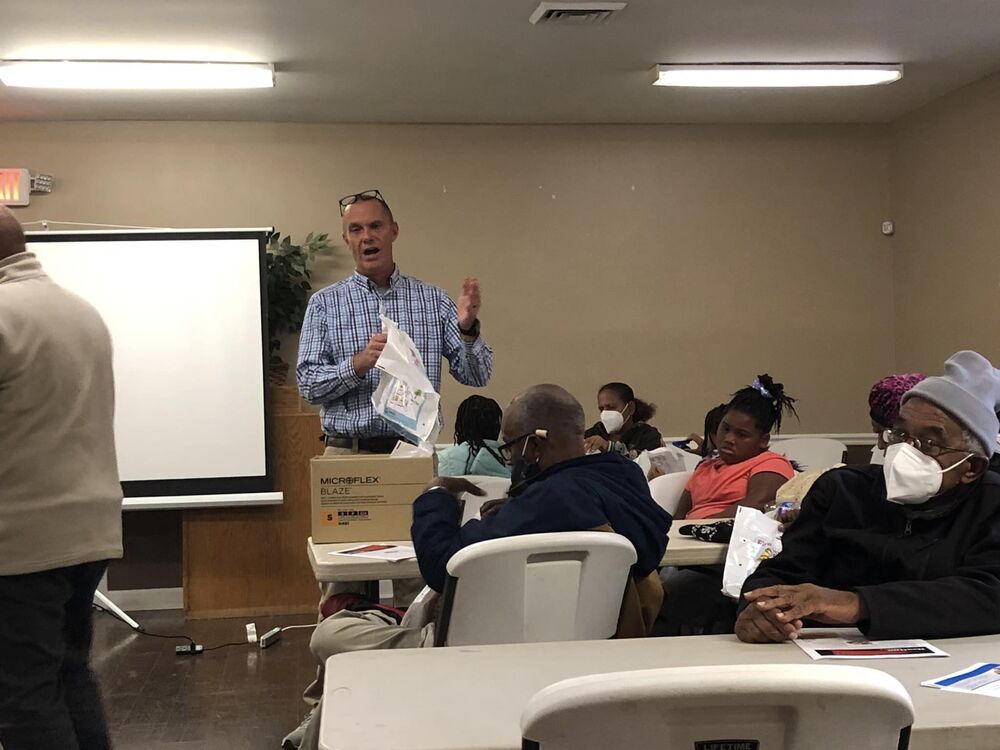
535 587
751 707
811 453
494 487
667 490
691 461
417 614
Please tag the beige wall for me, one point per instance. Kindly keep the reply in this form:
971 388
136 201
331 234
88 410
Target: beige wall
683 260
946 201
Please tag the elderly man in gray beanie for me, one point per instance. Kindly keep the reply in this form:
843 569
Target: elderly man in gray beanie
910 549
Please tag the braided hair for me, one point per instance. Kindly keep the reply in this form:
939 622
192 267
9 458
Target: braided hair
764 401
478 420
644 410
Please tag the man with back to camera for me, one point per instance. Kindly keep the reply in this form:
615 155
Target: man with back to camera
342 336
555 487
60 502
910 549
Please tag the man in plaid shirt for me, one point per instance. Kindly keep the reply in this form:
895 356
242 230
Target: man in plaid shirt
342 339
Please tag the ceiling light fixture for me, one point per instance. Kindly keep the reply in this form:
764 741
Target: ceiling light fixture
125 74
775 75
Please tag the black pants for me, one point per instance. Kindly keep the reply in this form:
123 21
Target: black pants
48 695
693 603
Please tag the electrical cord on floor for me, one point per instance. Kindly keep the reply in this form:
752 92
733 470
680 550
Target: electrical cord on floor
226 645
192 648
143 631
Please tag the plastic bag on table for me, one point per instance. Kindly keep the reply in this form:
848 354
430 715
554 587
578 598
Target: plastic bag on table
755 537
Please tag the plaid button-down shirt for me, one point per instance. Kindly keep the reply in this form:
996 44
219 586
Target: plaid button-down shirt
340 320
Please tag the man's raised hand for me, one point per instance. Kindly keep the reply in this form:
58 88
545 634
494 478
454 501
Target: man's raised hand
469 302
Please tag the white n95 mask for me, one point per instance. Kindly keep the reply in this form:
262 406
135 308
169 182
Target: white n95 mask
612 420
912 477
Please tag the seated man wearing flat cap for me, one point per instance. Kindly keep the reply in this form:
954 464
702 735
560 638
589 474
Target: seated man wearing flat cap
910 549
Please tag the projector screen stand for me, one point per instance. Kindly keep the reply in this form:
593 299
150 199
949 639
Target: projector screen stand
104 602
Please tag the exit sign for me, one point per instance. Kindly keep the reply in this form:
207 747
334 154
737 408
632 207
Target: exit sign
15 187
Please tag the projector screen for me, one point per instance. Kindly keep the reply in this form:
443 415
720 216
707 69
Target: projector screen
187 315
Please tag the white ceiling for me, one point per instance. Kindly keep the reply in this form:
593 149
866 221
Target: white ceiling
480 61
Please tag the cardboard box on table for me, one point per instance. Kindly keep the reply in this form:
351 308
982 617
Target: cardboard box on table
365 498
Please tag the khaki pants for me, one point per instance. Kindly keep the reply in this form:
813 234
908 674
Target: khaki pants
345 632
404 591
333 450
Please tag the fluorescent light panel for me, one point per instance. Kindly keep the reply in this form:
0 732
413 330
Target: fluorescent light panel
755 75
124 75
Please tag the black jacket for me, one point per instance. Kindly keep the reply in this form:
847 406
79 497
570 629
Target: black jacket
637 438
577 495
920 573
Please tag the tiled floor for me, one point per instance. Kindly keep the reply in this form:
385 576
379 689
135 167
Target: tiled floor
235 698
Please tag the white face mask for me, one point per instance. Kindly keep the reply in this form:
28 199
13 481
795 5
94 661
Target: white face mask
612 421
911 477
878 456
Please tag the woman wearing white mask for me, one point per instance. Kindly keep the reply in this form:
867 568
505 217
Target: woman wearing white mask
622 427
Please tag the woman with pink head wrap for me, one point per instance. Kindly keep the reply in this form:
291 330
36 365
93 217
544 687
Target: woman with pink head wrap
883 405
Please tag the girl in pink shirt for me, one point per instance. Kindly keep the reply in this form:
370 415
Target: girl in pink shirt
741 472
744 471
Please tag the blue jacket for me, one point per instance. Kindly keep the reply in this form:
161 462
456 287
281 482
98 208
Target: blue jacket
576 495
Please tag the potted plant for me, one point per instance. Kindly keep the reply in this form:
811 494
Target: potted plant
288 288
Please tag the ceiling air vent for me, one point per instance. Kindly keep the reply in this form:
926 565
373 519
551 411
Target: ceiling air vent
579 14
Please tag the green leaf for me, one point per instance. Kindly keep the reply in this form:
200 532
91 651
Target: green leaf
288 283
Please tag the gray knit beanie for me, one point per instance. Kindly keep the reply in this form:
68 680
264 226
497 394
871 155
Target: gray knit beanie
969 390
